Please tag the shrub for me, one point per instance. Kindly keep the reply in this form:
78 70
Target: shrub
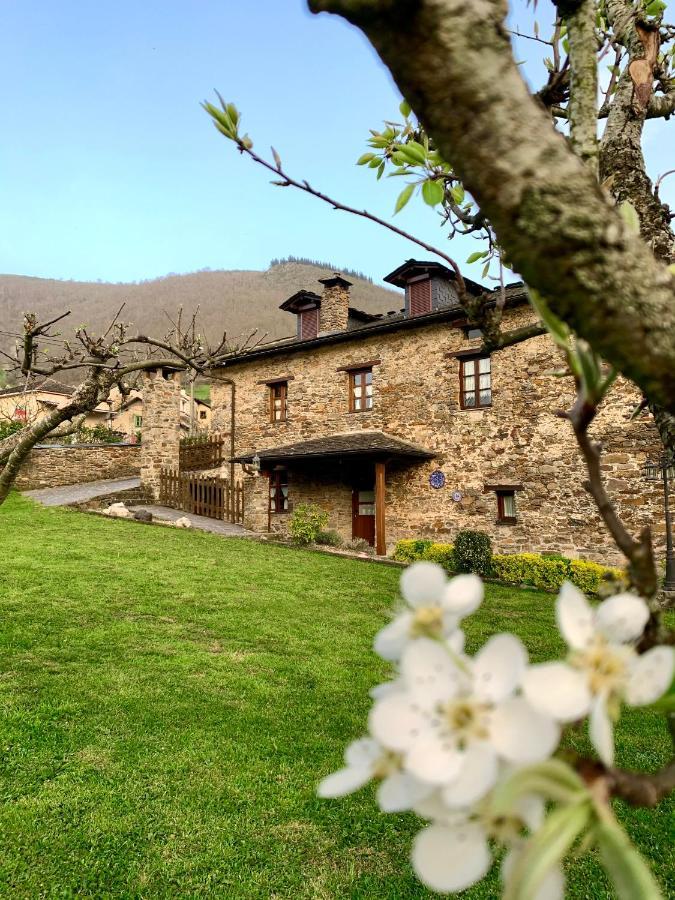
443 554
589 576
329 539
473 552
359 545
547 573
411 550
9 427
306 523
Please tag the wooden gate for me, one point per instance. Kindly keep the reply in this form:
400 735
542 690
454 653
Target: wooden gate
202 495
201 452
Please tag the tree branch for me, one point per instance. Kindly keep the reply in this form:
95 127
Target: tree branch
453 63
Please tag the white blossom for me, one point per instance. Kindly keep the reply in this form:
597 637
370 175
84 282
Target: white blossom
455 720
366 760
602 669
434 609
453 851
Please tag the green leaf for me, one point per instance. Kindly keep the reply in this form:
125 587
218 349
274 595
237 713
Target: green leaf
546 849
629 214
555 326
403 197
404 108
433 192
486 269
366 158
627 870
552 779
414 152
478 254
655 8
457 192
374 162
380 170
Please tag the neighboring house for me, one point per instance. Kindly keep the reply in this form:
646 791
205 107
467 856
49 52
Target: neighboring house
400 426
129 417
39 397
25 404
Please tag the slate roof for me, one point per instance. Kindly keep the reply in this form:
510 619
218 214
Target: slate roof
515 295
49 385
359 443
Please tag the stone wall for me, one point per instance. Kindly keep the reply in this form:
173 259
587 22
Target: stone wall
53 465
161 426
519 440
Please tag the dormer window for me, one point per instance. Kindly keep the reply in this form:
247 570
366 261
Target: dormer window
308 323
419 296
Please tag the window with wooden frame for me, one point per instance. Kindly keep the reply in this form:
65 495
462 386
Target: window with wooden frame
475 382
138 421
360 390
419 296
279 490
278 397
506 508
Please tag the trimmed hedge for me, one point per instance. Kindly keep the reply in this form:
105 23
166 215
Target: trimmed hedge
546 572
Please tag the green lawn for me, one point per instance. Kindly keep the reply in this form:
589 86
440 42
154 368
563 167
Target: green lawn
169 700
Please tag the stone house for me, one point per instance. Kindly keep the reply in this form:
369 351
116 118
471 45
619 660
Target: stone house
400 426
194 415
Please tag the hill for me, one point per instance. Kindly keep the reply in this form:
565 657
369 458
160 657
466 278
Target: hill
234 301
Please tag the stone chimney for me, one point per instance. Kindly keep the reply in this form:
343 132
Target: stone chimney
160 444
334 312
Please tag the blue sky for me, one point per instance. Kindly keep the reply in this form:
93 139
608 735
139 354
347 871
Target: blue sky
110 170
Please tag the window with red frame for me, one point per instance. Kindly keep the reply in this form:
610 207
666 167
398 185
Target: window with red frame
279 491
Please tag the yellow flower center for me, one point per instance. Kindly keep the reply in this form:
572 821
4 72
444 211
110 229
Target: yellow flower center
467 720
427 622
606 666
387 764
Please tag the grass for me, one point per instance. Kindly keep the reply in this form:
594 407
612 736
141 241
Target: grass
169 700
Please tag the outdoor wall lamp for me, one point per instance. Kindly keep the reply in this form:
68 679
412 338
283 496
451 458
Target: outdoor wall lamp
664 470
255 464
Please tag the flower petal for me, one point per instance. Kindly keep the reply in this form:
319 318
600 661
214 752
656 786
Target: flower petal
522 735
423 583
429 673
396 721
622 618
451 859
364 752
391 640
475 778
498 667
650 676
574 616
557 690
456 641
551 888
344 781
600 730
432 760
463 595
531 808
386 688
400 792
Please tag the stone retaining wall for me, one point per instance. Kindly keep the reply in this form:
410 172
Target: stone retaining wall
57 464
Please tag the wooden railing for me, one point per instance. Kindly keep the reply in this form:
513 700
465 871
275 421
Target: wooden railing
203 495
201 452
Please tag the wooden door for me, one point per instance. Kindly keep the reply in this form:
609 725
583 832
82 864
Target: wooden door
363 514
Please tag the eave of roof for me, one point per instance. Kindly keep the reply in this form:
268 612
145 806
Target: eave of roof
515 296
355 444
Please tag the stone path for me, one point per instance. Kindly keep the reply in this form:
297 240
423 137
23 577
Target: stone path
216 526
78 493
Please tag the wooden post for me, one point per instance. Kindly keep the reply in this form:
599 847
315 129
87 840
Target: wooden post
380 540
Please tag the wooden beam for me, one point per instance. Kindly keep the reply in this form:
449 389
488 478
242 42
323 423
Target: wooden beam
380 540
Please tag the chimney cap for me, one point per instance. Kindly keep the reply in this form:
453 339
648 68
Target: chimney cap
301 299
335 280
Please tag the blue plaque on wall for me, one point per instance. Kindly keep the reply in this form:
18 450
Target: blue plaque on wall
437 479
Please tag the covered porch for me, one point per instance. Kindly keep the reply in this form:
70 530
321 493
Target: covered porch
346 474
